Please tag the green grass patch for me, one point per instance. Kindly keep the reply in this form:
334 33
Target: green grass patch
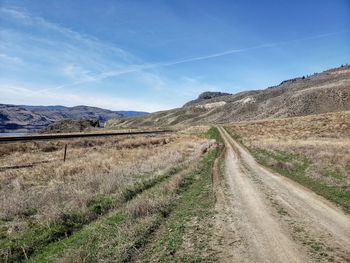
329 172
221 166
17 247
29 212
347 167
89 237
197 202
143 185
100 204
214 134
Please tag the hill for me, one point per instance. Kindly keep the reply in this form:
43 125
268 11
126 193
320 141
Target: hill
24 117
324 92
123 114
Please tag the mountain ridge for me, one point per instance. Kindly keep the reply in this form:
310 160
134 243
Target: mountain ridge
328 91
124 113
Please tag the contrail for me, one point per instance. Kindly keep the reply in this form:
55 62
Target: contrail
232 51
138 68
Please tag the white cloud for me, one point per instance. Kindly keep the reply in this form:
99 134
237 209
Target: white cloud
77 73
154 81
4 58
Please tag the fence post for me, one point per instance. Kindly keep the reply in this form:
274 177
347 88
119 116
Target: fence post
65 152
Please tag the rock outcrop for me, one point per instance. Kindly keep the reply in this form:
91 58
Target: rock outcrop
68 126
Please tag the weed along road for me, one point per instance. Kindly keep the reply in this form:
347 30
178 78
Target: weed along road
274 219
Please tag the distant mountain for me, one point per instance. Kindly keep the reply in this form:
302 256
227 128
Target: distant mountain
41 107
328 91
13 117
25 117
124 114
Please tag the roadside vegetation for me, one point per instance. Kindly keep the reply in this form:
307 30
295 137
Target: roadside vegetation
108 201
312 150
187 233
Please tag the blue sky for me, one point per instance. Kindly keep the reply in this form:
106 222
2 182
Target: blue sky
155 55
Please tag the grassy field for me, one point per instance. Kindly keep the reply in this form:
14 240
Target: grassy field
312 150
114 199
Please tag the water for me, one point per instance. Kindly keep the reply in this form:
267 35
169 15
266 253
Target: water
4 134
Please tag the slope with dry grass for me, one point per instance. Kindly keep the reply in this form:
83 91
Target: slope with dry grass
324 92
313 150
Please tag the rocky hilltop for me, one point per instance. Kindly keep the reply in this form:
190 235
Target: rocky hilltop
328 91
67 126
206 96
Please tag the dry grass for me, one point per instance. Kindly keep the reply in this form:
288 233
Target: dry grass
95 167
127 231
323 139
154 201
195 130
104 202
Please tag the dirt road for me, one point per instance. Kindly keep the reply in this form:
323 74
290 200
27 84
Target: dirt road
269 218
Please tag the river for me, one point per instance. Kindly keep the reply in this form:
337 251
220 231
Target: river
4 134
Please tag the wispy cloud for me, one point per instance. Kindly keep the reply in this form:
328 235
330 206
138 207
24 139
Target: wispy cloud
12 94
76 72
10 59
63 46
30 20
65 56
143 67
